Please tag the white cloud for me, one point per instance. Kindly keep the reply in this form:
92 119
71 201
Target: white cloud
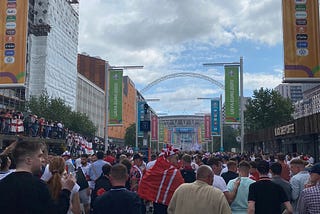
179 36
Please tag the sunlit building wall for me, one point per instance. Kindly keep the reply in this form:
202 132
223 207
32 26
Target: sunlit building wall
52 56
91 101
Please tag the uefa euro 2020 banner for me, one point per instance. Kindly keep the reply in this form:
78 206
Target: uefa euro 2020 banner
13 42
154 127
301 40
215 118
115 97
232 113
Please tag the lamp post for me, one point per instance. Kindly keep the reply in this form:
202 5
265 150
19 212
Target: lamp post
240 64
108 67
221 119
138 99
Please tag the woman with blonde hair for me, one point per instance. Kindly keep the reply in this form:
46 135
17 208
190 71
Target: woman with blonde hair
57 168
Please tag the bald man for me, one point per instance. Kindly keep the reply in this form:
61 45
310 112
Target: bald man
200 195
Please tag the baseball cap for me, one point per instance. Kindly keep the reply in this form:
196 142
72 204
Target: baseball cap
66 153
315 169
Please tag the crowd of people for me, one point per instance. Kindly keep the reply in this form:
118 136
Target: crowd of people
173 181
15 122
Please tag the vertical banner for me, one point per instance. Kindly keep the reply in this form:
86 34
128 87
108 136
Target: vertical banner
300 20
199 135
170 137
115 97
165 131
207 126
140 114
13 42
161 132
215 117
232 113
202 132
154 127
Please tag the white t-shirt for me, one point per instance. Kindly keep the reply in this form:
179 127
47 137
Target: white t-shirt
224 169
218 182
4 174
46 174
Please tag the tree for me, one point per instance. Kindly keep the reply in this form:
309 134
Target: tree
55 109
267 108
81 123
229 138
130 136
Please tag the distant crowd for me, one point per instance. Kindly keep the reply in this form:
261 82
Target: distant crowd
15 122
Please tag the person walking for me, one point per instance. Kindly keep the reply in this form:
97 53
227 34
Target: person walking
231 172
199 196
187 171
266 197
276 172
239 189
285 172
135 174
118 200
95 169
57 169
159 183
309 201
298 181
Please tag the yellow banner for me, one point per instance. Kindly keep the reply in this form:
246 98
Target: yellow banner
13 42
301 40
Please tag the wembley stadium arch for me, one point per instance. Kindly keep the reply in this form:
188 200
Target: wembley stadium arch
182 74
186 132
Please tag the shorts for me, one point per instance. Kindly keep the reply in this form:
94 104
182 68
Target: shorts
84 197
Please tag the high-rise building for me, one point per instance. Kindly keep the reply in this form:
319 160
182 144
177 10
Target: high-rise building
310 103
52 49
42 50
293 91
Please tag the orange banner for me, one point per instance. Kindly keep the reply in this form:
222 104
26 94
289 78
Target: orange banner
301 40
13 42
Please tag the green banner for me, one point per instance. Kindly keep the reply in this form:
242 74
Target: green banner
161 132
115 97
232 94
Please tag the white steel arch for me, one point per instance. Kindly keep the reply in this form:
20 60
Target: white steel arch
182 74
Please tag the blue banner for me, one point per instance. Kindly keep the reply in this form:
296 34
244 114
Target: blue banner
140 113
215 117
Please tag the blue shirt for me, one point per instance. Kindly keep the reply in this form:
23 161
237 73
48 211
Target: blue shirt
240 203
95 169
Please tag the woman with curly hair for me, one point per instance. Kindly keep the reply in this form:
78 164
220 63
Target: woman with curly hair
57 169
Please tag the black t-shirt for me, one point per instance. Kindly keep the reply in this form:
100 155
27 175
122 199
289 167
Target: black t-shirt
188 175
118 200
101 183
23 193
268 197
227 176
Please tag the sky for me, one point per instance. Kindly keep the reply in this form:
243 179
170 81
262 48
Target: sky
176 36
